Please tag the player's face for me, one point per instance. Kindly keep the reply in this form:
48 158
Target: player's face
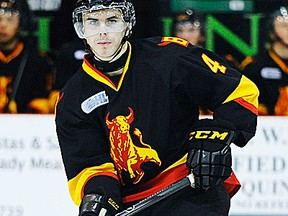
281 28
9 26
189 31
104 31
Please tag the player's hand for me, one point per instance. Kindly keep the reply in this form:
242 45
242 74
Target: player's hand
97 205
209 156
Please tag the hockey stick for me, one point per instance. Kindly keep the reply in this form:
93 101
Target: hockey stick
171 189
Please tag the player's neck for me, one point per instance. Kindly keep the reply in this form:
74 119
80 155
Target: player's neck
9 46
115 73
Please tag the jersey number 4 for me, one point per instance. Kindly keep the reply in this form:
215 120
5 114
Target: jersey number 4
213 65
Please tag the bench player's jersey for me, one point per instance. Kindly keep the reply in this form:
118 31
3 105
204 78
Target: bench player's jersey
32 84
270 73
134 130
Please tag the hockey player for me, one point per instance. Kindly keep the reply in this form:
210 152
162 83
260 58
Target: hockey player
127 121
190 25
269 69
24 73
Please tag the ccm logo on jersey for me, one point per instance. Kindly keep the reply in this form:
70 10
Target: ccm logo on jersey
94 101
203 134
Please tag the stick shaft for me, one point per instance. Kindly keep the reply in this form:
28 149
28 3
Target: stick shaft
168 191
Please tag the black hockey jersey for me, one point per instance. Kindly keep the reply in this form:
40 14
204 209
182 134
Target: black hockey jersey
270 73
33 85
134 132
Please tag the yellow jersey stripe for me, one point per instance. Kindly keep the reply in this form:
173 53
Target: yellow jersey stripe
77 184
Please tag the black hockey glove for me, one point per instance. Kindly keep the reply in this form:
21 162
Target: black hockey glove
209 156
97 205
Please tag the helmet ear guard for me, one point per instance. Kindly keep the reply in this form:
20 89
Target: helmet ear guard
128 30
78 23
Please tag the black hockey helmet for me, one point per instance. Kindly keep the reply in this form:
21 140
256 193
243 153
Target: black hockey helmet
83 6
21 8
280 14
192 16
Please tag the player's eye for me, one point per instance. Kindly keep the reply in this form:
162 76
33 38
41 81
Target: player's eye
92 21
112 21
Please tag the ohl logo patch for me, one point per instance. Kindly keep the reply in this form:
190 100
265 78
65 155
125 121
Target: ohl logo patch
126 155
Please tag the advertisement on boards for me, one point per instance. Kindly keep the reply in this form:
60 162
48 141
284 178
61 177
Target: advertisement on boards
32 175
262 168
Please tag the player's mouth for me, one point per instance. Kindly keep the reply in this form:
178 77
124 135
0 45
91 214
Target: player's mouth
3 35
103 43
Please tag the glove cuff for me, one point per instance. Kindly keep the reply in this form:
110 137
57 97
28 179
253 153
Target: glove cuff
91 204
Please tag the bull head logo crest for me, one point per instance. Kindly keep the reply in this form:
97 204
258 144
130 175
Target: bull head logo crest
126 155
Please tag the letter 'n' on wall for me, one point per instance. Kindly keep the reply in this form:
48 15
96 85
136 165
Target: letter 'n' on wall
214 26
